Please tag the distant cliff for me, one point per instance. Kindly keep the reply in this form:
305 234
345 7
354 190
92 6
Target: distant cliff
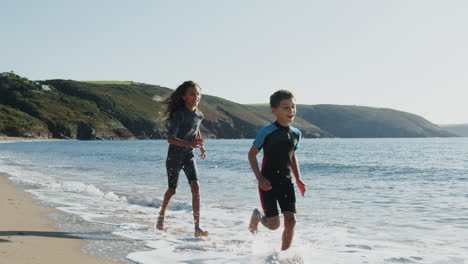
460 129
349 121
70 109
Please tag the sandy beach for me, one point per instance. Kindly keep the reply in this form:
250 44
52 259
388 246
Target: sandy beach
5 139
28 236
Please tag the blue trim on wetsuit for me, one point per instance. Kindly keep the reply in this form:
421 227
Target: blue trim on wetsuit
298 133
264 132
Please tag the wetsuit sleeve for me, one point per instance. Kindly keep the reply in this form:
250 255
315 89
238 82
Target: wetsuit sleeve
299 134
260 138
173 128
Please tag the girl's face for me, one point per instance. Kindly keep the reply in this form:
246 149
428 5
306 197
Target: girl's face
192 97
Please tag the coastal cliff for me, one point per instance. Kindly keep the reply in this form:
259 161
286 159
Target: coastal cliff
68 109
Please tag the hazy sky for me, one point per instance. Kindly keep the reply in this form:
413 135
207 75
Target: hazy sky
410 55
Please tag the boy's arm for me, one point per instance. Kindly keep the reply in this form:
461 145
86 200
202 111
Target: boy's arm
263 183
297 174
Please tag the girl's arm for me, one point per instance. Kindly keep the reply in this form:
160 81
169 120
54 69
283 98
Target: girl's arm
196 143
202 148
297 174
172 133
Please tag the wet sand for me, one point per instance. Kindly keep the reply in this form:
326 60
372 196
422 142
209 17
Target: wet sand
27 234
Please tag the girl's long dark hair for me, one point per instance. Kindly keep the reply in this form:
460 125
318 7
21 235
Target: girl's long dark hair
175 101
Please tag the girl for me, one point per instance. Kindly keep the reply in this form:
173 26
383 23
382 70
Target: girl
183 136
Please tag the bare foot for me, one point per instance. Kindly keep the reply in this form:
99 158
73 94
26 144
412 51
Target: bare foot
256 215
160 223
200 233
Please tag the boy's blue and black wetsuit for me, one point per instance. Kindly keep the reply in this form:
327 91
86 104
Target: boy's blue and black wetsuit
278 143
185 125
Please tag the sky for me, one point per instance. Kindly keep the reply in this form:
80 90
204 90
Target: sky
409 55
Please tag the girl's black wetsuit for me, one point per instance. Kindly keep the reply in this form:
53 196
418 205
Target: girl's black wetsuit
185 125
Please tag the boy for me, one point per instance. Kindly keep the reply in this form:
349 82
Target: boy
279 141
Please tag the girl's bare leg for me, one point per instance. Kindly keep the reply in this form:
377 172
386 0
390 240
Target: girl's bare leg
167 197
195 187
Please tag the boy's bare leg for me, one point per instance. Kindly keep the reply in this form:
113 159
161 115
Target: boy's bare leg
288 233
256 217
195 187
167 197
271 223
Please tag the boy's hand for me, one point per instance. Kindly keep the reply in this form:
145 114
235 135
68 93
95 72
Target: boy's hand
264 184
203 153
301 185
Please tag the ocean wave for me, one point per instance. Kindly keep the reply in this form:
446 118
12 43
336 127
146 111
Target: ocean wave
379 170
88 189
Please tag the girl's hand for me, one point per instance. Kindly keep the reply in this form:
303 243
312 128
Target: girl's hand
203 153
301 185
264 184
196 143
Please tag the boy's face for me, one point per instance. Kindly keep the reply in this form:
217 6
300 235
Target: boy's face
285 112
192 97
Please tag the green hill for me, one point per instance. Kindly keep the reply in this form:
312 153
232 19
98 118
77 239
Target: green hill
131 110
112 110
51 113
459 129
17 123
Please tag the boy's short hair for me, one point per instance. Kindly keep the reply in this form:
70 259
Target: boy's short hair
278 96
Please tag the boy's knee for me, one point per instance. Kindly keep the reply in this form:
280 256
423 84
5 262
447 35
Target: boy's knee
290 224
273 223
275 226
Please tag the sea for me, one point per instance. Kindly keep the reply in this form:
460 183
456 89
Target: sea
367 201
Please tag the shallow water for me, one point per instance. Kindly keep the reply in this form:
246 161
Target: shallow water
368 200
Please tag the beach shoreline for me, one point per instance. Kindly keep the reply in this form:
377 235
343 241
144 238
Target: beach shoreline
7 139
27 235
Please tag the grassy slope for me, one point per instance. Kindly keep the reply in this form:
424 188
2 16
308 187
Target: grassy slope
16 123
63 115
112 82
132 105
